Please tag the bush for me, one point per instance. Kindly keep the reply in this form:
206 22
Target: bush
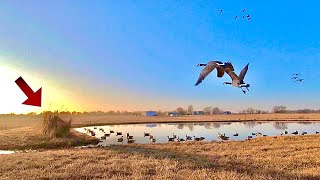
54 126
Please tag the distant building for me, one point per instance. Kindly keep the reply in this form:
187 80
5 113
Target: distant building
198 112
227 112
150 113
172 114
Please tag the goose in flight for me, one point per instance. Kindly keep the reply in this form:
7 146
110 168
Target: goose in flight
210 66
237 81
299 80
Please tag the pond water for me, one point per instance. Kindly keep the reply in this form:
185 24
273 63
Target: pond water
207 130
6 152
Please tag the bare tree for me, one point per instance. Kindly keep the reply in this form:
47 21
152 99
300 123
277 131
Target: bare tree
279 109
181 111
207 110
190 110
216 110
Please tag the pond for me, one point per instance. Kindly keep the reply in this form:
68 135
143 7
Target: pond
209 131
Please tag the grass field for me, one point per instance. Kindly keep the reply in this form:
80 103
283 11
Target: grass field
262 158
14 121
283 157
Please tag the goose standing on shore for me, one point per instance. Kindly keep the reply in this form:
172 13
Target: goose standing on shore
238 81
209 67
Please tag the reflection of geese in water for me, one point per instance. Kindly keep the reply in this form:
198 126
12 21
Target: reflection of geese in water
120 139
131 141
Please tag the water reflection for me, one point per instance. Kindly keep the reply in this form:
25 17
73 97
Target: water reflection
160 132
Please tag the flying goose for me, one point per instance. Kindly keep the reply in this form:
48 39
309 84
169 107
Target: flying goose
209 67
237 81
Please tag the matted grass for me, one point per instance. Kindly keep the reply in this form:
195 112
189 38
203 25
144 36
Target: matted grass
294 157
33 138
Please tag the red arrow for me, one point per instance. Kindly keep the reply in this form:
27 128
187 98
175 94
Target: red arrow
34 98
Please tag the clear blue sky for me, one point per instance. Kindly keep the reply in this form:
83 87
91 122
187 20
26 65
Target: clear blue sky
139 55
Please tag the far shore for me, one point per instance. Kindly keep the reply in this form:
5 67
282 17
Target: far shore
14 121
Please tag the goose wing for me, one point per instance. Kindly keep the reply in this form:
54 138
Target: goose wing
204 73
243 72
220 71
232 75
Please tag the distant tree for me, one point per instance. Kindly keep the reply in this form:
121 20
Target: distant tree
190 110
207 110
279 109
280 125
32 113
216 110
181 111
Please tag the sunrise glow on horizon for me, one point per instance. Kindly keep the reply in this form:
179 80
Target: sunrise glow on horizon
145 59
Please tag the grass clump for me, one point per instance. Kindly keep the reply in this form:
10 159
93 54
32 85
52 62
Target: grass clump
54 126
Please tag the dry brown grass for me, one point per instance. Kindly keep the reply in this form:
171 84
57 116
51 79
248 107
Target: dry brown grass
33 138
11 121
262 158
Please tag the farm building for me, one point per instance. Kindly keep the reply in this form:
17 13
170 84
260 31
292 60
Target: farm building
150 113
172 114
198 112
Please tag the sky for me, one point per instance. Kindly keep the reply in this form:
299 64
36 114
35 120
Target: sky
142 55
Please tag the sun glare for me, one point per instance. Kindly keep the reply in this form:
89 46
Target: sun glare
12 97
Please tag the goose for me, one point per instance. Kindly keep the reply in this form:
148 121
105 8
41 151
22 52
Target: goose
94 127
119 133
223 136
101 129
294 78
237 81
131 141
244 10
103 137
180 139
146 134
221 11
317 132
174 136
202 138
249 137
129 137
93 134
235 134
153 140
150 137
188 138
170 139
285 132
120 139
111 131
295 132
265 135
253 134
236 17
299 80
107 135
196 139
304 133
209 67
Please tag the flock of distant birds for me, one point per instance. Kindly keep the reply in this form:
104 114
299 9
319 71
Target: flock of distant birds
244 15
297 78
175 138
